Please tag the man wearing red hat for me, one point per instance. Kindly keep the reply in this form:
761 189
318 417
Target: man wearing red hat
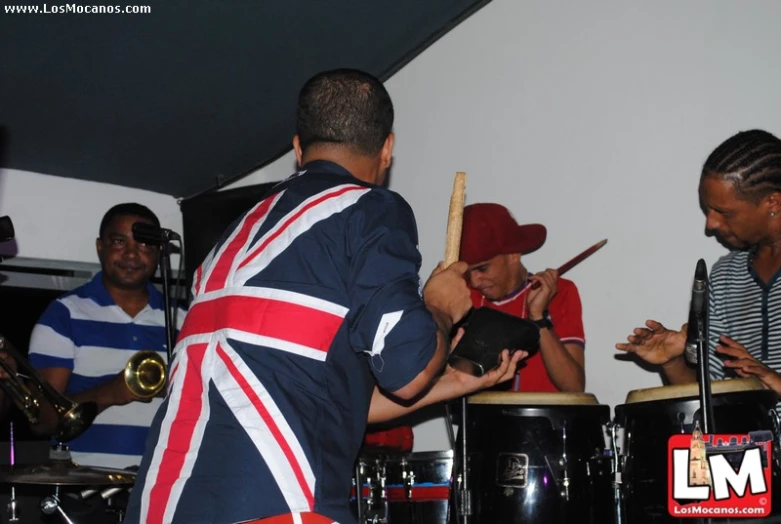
493 244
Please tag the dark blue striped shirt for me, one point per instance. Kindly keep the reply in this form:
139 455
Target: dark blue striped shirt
745 309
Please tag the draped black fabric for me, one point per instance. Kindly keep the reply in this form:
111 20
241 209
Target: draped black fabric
206 217
185 96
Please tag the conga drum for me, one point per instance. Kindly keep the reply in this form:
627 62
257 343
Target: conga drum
538 458
651 416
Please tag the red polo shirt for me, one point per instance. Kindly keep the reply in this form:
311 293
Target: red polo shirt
566 313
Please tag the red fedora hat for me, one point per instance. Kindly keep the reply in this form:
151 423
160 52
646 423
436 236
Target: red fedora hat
490 230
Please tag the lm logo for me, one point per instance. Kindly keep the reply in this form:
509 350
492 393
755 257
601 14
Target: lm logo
719 474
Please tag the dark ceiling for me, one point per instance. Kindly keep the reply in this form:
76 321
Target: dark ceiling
195 93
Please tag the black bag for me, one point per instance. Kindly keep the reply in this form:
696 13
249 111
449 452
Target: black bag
487 333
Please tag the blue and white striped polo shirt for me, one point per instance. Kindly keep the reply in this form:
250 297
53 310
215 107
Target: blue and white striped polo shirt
88 333
746 309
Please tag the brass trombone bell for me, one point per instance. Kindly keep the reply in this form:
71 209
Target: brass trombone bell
145 374
73 419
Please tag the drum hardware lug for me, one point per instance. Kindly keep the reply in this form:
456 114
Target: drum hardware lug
466 502
775 419
682 421
616 465
464 497
563 462
381 481
371 486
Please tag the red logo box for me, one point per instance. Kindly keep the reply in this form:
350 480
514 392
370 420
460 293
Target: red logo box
719 475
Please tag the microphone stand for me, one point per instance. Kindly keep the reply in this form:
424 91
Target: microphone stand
150 234
703 376
703 379
165 273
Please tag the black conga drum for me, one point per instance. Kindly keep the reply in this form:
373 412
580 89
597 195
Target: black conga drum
538 458
651 416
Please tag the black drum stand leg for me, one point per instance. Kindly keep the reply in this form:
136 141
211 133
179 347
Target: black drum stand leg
618 498
466 496
359 493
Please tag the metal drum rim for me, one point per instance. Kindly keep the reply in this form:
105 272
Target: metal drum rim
523 398
415 456
689 391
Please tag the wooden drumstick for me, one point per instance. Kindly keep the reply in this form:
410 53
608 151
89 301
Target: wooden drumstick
455 219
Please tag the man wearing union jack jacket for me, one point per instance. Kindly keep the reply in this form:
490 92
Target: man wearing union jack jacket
307 322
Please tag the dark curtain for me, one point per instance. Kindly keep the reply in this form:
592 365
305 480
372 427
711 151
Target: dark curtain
206 217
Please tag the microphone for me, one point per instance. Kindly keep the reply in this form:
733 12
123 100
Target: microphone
6 229
150 234
698 311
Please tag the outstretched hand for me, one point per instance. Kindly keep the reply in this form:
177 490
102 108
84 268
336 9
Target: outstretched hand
655 343
746 365
508 366
120 392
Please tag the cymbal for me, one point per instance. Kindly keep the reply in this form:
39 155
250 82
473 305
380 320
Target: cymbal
65 473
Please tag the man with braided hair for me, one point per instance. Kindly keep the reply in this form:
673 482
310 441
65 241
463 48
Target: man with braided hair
740 194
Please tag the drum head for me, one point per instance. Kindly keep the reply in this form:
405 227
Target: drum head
734 385
533 398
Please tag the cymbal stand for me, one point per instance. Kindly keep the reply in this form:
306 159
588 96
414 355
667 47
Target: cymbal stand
12 515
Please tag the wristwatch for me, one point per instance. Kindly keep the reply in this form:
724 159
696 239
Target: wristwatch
544 322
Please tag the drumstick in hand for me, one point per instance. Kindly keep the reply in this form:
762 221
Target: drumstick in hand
455 219
571 263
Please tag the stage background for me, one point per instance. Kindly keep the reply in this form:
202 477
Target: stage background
593 118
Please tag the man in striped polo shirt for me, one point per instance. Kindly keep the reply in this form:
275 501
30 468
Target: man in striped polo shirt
740 194
83 340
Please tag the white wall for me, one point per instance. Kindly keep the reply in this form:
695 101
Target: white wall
57 218
593 118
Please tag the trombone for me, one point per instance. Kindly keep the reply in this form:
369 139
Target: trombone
144 375
72 418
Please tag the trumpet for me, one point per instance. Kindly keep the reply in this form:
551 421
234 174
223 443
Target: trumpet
145 374
73 418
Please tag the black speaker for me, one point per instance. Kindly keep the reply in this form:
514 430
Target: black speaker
206 217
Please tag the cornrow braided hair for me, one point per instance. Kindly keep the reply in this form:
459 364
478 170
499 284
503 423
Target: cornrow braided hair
750 159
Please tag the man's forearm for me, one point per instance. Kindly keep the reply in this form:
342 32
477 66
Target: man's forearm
103 395
425 378
678 372
566 373
384 409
